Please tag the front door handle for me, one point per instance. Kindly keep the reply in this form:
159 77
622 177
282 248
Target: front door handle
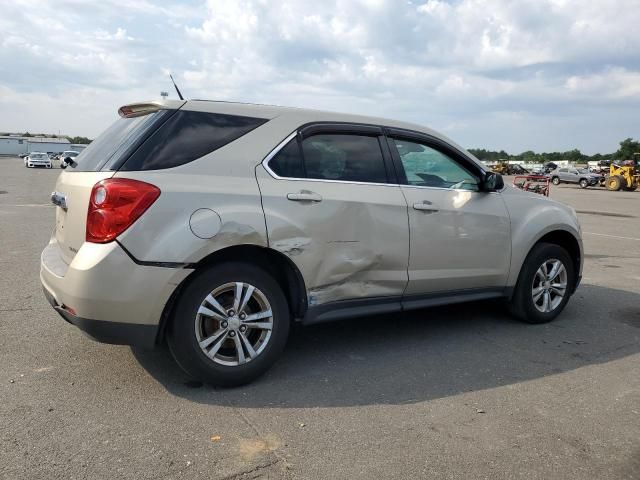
426 206
304 196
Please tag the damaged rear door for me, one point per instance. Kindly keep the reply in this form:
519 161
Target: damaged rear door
330 206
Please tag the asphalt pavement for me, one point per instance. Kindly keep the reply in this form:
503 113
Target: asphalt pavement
456 392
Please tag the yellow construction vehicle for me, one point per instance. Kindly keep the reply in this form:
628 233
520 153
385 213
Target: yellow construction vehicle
505 168
622 177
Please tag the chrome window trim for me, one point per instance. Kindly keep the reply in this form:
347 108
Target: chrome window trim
281 145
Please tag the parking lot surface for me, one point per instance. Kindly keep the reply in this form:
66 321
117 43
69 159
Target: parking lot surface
456 392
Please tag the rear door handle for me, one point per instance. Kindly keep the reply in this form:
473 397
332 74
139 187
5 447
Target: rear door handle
426 206
304 197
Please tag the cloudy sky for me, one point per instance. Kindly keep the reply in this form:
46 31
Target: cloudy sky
524 74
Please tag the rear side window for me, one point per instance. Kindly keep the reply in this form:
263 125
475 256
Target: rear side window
187 136
288 161
352 158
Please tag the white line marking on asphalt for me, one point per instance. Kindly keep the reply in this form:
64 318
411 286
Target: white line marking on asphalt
612 236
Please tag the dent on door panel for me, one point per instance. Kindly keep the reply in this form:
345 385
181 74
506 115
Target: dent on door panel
345 246
341 267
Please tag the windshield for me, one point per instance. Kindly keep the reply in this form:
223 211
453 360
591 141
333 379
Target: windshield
115 142
39 156
70 154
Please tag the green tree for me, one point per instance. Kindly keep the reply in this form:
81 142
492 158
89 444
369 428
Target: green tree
627 149
79 140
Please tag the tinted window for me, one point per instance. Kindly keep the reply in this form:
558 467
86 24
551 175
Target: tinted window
353 158
426 167
563 170
187 136
116 142
288 161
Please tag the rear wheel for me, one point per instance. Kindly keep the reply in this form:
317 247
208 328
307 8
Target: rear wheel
613 183
230 325
583 183
545 284
555 181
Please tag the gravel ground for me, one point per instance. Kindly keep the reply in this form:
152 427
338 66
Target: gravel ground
458 392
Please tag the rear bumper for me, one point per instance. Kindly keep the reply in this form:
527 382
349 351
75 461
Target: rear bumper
108 332
106 294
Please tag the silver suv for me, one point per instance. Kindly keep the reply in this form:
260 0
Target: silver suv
581 176
213 226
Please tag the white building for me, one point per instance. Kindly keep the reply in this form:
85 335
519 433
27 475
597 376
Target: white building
16 145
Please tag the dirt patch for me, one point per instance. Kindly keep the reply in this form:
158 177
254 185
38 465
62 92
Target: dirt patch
3 192
251 448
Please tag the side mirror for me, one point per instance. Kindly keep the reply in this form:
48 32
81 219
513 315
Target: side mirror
66 162
492 182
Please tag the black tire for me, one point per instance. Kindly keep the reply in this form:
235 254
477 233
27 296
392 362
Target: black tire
522 304
181 335
584 183
555 181
614 183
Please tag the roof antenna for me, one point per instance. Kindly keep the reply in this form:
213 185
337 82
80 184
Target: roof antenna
177 89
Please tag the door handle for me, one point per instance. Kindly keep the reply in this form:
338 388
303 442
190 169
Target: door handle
426 206
304 196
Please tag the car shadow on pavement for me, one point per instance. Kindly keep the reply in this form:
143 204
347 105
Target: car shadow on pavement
427 354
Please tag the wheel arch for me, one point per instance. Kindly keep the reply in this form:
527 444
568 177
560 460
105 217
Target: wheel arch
566 240
285 272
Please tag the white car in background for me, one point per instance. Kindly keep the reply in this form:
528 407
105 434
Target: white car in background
37 159
72 154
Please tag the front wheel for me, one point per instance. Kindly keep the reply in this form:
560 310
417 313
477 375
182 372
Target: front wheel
545 284
229 325
555 181
583 183
613 183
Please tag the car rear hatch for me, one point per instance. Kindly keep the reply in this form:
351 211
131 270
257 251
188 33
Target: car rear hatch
100 160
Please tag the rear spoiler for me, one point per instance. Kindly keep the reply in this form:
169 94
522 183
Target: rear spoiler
145 108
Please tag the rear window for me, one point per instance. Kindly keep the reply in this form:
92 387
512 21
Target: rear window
187 136
116 142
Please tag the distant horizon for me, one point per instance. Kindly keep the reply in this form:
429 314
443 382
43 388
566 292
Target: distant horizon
56 135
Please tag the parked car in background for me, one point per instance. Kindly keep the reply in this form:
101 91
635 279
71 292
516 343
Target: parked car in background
214 226
67 154
37 159
581 176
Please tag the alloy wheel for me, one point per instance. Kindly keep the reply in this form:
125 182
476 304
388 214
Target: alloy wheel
234 324
549 285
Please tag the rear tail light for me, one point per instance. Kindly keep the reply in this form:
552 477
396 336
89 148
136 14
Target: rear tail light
115 204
